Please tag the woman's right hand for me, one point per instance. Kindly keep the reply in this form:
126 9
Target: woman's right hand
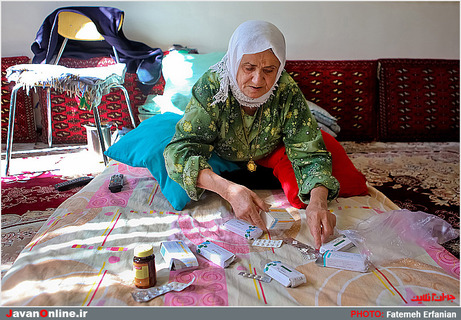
246 204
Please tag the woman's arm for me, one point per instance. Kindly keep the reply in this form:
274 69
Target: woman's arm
245 203
187 154
190 149
312 165
321 221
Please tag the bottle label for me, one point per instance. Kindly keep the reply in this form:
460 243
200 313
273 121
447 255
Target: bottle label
141 271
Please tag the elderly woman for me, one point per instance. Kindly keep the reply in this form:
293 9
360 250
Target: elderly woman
243 108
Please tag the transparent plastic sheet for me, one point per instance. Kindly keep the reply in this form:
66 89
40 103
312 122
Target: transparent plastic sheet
398 234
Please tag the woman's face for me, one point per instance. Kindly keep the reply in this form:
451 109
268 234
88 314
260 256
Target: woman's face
257 73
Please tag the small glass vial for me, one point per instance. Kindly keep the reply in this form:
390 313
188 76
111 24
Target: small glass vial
144 267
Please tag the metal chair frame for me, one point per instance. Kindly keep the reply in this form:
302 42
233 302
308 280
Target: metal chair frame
74 23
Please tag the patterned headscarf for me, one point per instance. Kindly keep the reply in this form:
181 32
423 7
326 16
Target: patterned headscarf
250 37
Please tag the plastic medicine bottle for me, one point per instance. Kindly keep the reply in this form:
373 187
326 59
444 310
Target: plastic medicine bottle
144 267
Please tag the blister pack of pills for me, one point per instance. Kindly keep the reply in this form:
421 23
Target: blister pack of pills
307 251
263 278
267 243
145 295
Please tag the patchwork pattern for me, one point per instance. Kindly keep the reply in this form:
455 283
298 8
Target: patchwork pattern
419 100
346 89
91 251
68 119
24 123
209 277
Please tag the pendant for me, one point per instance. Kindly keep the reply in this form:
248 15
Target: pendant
251 166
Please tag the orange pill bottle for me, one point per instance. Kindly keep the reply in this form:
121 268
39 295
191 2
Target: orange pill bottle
144 267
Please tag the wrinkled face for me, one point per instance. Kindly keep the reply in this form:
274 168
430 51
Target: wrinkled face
257 73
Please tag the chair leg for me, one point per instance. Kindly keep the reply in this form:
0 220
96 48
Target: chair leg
128 104
9 139
61 50
48 96
97 121
48 114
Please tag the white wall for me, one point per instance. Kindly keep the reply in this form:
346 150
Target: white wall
313 30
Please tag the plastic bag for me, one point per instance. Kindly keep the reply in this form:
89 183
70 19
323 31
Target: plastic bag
399 234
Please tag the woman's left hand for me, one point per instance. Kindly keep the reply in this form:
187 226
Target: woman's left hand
320 220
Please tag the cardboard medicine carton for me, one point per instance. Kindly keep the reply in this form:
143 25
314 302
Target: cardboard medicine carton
341 243
177 255
277 219
215 254
284 274
243 229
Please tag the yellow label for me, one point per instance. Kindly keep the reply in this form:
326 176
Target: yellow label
141 271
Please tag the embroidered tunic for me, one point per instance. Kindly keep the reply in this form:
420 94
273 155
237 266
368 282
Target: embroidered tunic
284 118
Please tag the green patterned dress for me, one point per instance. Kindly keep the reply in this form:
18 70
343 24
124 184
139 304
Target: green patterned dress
284 118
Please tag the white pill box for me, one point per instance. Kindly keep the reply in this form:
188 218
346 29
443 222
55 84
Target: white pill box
177 255
215 254
277 219
343 260
286 275
338 244
243 229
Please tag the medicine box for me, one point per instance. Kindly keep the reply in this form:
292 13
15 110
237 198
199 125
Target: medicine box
343 260
177 255
243 229
286 275
215 254
338 244
277 219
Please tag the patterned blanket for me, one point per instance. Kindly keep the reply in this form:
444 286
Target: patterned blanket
91 83
82 255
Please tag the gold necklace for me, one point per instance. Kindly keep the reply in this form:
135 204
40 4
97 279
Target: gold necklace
251 165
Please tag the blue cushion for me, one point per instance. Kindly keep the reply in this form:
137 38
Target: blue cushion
143 147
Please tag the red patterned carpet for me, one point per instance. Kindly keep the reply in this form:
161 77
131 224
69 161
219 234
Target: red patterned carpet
415 176
29 197
33 190
27 202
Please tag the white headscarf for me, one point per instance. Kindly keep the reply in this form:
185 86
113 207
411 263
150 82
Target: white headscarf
250 37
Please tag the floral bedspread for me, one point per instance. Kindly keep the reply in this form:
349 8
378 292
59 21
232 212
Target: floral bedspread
82 255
